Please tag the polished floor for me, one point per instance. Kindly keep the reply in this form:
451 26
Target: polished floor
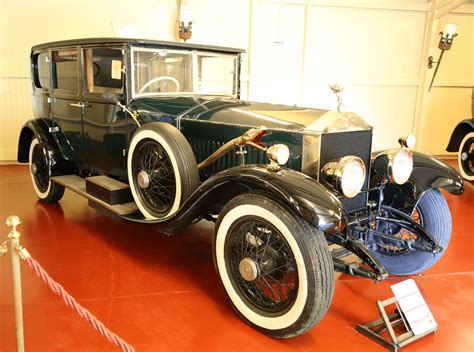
162 293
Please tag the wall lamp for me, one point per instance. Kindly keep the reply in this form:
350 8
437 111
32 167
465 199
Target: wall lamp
446 40
185 23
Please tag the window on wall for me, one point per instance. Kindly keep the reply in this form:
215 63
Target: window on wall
42 73
66 75
103 70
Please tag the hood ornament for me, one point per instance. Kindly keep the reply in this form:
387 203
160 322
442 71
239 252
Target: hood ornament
336 89
341 108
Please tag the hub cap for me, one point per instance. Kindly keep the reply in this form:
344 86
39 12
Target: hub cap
248 269
143 179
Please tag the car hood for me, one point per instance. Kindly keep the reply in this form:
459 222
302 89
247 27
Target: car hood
245 113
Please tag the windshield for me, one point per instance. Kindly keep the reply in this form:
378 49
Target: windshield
170 72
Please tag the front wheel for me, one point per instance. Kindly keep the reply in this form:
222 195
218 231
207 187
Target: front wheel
431 212
277 270
40 172
466 157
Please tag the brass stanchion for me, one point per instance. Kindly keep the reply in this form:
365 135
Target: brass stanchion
13 237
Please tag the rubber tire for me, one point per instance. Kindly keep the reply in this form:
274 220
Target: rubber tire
54 191
314 261
461 168
434 211
181 155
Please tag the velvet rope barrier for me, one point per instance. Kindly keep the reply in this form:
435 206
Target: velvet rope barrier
72 303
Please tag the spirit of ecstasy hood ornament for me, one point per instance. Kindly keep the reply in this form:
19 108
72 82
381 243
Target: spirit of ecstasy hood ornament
336 89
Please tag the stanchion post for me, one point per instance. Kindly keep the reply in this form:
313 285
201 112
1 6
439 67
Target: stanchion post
13 222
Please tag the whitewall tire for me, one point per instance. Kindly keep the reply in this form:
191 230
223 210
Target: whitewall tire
466 148
40 172
276 270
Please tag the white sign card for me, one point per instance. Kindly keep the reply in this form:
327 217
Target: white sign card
414 307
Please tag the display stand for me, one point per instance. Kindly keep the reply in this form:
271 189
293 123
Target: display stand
374 329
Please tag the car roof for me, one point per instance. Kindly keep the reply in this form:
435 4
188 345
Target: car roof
161 43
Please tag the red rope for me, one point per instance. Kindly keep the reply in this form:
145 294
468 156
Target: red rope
71 302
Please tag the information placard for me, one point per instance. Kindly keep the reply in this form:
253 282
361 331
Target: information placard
414 307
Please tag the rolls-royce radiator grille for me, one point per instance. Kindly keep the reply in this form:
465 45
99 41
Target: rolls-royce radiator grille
340 144
203 148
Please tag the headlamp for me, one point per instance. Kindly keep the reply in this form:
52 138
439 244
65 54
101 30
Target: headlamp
400 165
278 154
346 175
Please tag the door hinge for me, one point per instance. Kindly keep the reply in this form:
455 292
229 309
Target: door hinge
53 129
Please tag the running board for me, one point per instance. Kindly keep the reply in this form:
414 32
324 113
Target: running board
78 184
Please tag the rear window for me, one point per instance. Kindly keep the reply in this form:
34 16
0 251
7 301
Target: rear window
41 71
66 75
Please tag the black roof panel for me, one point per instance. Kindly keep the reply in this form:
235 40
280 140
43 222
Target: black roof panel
167 44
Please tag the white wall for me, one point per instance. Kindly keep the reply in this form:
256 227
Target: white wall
377 50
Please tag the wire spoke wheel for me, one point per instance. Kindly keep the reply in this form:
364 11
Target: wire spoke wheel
40 172
262 265
466 156
156 178
39 168
276 269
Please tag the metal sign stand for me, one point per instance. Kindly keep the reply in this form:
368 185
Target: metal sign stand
387 322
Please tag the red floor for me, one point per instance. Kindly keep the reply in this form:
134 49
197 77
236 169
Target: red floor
162 293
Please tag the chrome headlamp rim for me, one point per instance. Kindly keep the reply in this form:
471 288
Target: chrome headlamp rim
333 174
392 155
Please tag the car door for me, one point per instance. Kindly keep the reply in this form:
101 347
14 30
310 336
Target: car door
105 124
67 105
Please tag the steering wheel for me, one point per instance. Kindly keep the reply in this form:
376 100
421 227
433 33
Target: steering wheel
157 79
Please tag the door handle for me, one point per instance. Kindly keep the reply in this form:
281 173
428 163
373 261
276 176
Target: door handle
77 105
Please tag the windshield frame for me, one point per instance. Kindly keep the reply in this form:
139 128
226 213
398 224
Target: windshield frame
194 59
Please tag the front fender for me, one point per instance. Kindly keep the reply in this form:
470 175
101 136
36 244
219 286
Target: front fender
301 194
428 172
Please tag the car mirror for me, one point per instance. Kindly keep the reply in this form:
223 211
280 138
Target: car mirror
111 97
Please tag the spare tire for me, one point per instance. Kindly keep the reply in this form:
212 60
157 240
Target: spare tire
162 169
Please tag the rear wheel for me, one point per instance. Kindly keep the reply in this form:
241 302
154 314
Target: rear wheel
466 157
277 270
40 171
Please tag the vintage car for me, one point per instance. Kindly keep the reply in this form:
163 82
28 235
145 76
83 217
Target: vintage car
462 141
155 132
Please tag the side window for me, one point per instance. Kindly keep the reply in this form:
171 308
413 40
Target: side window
41 71
103 70
66 75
